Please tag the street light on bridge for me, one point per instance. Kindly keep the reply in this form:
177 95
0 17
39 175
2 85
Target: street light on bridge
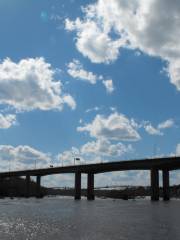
75 155
35 163
76 159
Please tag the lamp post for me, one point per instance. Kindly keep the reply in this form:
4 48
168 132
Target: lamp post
9 164
75 155
76 159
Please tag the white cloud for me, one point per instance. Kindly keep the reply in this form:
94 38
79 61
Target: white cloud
92 42
103 147
118 127
94 152
108 131
76 70
158 130
6 121
22 157
178 149
140 25
30 84
70 101
166 124
173 70
152 130
109 85
93 109
114 127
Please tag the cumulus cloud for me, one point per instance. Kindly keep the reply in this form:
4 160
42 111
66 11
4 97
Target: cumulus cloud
70 101
22 157
8 120
95 151
108 85
76 70
108 133
92 42
178 149
141 25
118 127
103 147
30 84
166 124
152 130
114 127
161 126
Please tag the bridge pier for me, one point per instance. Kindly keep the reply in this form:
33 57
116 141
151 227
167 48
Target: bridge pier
90 186
166 190
38 186
154 184
77 194
1 187
27 194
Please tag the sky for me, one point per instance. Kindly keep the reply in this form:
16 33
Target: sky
98 80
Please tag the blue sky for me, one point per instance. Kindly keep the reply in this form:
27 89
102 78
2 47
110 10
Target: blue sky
91 79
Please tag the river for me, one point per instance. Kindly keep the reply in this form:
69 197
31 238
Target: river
106 219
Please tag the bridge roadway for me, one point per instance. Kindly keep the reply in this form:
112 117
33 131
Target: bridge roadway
155 165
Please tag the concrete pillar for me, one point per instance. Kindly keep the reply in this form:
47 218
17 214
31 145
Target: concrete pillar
90 186
1 187
27 185
77 194
11 187
154 184
38 186
166 192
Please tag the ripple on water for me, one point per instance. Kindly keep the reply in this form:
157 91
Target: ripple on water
61 218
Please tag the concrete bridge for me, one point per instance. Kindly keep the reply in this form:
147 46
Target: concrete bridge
154 165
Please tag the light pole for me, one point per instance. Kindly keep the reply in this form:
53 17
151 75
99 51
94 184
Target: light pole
76 159
9 164
75 155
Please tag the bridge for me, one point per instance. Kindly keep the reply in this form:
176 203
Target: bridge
165 164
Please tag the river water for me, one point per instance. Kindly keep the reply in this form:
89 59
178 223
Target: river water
64 218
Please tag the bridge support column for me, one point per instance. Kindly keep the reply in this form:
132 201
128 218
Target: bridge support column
27 194
77 194
38 186
166 192
1 187
90 186
154 184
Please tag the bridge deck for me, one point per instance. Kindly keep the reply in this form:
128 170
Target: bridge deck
171 163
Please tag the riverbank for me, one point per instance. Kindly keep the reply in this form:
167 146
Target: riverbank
16 187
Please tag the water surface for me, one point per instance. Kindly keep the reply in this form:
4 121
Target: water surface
64 218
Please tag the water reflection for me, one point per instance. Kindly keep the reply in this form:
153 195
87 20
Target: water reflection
64 218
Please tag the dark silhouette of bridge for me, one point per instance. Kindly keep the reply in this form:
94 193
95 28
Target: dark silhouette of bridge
165 164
